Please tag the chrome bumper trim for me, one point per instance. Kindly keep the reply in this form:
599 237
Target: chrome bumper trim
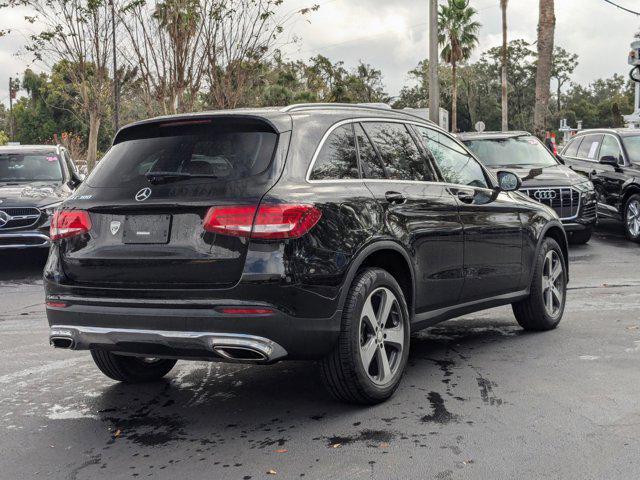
123 340
45 241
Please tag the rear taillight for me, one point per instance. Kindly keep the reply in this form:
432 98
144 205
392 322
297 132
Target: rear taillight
69 223
245 311
268 222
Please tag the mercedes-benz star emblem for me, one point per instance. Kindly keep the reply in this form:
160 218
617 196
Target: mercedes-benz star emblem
4 218
143 194
115 226
545 195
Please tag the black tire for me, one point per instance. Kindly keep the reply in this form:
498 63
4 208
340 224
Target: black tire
635 200
131 369
343 370
581 237
531 313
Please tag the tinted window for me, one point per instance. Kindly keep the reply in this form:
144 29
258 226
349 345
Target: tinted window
371 163
610 148
338 158
30 167
453 161
632 144
589 147
571 150
400 155
524 151
224 151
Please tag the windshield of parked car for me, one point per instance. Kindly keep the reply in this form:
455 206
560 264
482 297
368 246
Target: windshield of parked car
632 144
522 151
29 167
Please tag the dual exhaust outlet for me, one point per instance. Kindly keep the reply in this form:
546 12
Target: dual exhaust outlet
237 348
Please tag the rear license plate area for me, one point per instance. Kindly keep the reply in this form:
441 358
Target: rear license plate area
146 229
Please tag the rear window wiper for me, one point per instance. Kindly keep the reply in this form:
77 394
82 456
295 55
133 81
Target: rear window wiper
166 177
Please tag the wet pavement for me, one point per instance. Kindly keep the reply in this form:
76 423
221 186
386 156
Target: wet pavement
481 399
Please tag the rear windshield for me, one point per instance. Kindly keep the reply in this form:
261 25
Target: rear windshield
211 150
524 151
30 167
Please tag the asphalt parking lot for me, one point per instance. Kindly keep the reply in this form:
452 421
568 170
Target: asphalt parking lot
481 399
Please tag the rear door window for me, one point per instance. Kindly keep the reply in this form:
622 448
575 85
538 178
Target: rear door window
589 147
337 158
215 150
571 150
399 153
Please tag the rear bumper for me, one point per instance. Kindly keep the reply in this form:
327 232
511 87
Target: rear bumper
191 333
22 239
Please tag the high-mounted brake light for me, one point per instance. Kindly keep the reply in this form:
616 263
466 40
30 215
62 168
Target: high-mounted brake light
268 222
69 223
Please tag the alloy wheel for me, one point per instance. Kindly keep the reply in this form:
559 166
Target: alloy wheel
553 283
382 336
633 218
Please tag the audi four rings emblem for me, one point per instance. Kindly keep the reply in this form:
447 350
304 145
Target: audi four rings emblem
4 218
545 194
143 194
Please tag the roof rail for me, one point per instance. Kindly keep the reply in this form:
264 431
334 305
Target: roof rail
359 106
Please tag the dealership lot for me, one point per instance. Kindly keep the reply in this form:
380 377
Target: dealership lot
481 399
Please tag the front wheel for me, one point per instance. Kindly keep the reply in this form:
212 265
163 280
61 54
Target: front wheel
368 362
544 307
632 218
131 369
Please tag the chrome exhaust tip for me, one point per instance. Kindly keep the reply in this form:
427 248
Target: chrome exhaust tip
241 354
62 342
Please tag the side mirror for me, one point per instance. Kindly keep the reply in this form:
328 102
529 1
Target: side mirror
611 161
508 181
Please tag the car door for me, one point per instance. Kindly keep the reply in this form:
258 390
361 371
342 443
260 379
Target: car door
417 210
493 233
609 180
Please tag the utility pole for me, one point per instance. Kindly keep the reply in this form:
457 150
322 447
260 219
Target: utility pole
11 94
434 82
116 88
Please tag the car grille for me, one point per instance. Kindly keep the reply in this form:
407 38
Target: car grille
18 217
564 200
589 211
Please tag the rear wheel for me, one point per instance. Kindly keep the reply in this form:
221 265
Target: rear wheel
632 218
544 307
131 369
367 364
581 237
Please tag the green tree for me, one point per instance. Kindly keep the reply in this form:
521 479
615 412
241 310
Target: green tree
4 138
562 67
458 35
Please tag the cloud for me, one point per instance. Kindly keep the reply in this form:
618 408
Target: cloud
393 35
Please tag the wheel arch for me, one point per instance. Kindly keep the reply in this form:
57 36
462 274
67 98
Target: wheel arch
391 257
632 188
556 231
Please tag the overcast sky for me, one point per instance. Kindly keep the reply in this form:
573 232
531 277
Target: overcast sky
392 35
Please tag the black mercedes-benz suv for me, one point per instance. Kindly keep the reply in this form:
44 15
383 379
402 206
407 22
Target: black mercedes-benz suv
544 178
326 232
611 160
34 180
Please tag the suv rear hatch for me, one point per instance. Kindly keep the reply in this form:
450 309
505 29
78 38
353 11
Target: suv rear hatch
149 195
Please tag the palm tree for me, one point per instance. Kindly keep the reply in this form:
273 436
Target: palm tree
546 32
505 58
458 35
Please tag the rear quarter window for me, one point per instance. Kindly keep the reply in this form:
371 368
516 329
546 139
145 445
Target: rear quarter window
224 151
571 150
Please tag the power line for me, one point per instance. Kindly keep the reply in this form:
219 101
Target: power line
623 8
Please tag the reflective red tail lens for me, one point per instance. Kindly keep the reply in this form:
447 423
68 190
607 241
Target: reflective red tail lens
69 223
268 222
245 311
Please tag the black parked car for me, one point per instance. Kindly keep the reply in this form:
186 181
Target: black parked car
544 178
611 160
315 232
34 180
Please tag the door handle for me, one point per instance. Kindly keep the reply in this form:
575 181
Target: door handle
395 198
466 196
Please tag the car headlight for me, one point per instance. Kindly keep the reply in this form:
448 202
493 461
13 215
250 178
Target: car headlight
585 186
49 210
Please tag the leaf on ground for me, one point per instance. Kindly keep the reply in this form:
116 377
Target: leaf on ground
271 472
117 434
282 450
336 445
384 445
